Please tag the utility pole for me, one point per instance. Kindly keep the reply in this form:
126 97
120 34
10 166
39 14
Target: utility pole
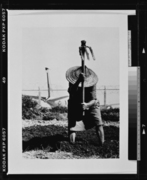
47 73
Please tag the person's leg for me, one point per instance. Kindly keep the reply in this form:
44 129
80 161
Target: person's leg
96 116
100 134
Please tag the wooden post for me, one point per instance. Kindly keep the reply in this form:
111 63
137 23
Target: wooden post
83 90
82 53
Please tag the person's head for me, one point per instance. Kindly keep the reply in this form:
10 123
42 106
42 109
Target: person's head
73 73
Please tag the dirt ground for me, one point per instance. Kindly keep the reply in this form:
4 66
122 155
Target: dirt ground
44 139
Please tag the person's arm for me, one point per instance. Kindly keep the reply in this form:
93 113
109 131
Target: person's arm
87 105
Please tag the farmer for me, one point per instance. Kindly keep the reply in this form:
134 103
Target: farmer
91 106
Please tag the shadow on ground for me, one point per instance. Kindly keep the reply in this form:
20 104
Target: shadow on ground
52 138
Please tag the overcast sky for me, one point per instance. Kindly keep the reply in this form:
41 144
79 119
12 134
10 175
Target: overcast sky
48 39
57 49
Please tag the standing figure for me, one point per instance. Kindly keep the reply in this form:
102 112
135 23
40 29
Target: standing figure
92 116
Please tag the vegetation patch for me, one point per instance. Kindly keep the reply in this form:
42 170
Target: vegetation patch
54 138
52 142
30 110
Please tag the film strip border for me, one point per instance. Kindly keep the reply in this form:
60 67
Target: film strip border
142 58
137 87
4 89
138 39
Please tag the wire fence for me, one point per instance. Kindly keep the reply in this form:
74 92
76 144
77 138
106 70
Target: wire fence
106 95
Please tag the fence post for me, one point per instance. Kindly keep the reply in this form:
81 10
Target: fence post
104 95
39 96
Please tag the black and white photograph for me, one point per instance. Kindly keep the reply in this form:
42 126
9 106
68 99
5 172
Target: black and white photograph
52 73
68 92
